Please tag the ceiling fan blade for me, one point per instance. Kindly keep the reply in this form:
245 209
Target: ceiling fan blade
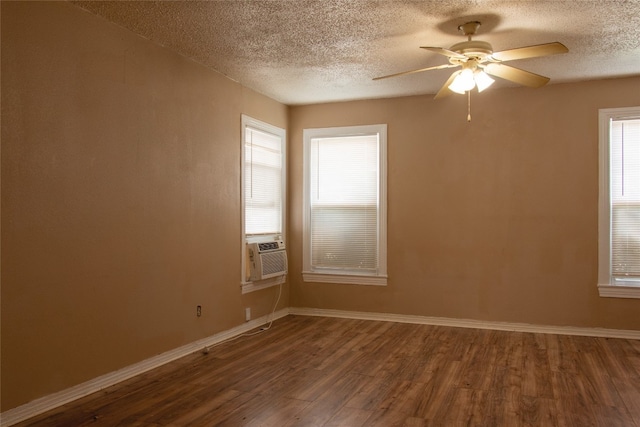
437 67
530 51
445 52
516 75
444 90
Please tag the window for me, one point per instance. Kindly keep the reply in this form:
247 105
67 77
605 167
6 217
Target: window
344 222
619 210
263 186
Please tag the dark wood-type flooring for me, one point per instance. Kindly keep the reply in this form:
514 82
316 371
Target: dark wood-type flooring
315 371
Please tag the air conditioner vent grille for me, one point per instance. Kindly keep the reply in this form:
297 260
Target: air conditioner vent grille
274 263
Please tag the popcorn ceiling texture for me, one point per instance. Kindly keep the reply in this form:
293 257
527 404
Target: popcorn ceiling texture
304 51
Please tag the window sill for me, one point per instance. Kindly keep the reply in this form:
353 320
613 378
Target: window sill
347 279
617 291
248 287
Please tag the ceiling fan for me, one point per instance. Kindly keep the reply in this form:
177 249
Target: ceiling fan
478 62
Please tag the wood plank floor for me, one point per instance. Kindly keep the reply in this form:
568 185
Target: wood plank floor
314 371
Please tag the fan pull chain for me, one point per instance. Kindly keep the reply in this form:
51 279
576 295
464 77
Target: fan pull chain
468 106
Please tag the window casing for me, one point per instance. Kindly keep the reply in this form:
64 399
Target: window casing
344 224
619 204
263 185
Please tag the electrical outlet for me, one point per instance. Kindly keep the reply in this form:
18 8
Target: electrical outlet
199 311
247 314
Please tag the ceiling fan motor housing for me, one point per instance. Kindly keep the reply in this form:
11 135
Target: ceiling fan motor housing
475 49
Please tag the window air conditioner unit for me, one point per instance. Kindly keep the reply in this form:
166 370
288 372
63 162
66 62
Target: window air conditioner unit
267 259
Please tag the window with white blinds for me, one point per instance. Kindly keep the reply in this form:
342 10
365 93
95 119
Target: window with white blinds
345 205
620 200
263 182
625 198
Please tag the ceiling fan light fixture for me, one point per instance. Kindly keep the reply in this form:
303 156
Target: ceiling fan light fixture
482 80
463 82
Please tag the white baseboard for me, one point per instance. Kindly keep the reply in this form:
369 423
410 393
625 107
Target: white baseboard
52 401
468 323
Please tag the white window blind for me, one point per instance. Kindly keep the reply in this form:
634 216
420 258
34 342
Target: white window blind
344 203
262 182
624 158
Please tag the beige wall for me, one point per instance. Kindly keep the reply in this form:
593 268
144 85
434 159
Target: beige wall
120 199
490 220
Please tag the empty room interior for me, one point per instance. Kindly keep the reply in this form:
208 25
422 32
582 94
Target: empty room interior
278 213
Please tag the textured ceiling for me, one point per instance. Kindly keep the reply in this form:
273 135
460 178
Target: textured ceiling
304 51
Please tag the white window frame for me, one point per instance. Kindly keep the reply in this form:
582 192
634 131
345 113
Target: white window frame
339 276
606 286
246 284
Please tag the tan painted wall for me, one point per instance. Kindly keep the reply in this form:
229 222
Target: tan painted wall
120 199
490 220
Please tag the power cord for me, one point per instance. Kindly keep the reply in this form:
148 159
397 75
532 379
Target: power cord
273 312
249 334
